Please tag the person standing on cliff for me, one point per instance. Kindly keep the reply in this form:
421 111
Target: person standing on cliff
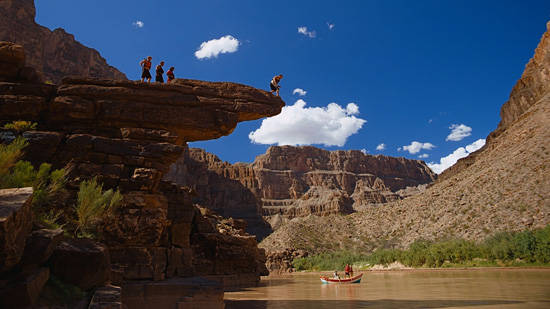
146 66
170 75
274 85
159 72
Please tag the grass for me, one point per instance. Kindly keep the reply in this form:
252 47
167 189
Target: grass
511 249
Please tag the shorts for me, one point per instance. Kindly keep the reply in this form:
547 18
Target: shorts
145 74
159 79
273 87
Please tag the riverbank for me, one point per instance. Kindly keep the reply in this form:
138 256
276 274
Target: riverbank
410 269
530 248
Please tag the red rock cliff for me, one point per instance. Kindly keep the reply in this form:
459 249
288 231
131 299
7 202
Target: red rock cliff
55 54
288 182
128 134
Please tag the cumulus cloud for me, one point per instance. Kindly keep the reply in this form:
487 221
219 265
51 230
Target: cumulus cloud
459 153
423 156
299 91
330 26
301 125
415 147
212 48
138 24
381 147
364 151
303 30
458 132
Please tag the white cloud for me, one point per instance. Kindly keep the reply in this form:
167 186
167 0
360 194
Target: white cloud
459 153
459 132
303 30
415 147
212 48
364 151
423 156
138 24
299 91
300 125
330 26
381 147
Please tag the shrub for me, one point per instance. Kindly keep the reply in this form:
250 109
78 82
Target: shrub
20 126
541 252
92 205
9 155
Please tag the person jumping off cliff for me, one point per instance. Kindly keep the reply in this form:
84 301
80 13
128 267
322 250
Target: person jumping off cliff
159 72
146 66
170 75
274 85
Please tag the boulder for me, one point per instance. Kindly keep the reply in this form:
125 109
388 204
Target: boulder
24 289
15 225
40 246
81 262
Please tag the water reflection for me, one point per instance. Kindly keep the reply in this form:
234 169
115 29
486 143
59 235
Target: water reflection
350 304
514 288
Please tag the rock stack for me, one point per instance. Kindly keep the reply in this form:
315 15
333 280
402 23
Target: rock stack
127 134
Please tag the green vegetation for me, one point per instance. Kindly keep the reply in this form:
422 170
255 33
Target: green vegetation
93 205
20 126
328 261
9 155
526 248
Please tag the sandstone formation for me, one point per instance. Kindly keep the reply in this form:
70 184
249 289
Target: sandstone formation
55 54
15 225
128 134
504 186
288 182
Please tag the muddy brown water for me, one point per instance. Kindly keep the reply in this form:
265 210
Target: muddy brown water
486 288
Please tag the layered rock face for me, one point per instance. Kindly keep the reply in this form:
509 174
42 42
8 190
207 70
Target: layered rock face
55 54
288 182
504 186
127 134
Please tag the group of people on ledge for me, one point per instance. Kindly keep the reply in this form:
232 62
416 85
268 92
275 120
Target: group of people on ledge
159 76
348 270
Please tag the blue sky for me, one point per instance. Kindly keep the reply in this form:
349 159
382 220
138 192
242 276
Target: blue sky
413 68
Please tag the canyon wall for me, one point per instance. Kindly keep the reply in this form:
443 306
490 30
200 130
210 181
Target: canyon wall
505 186
54 54
288 182
128 134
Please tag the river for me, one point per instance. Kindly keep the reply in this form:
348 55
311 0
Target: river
479 288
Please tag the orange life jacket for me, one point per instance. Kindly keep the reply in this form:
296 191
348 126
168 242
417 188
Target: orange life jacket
146 64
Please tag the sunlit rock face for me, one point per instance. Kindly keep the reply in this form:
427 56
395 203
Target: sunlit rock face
128 134
54 54
288 182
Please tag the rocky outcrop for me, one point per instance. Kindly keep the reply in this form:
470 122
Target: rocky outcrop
503 187
23 289
288 182
81 262
128 134
55 54
533 85
279 262
15 225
